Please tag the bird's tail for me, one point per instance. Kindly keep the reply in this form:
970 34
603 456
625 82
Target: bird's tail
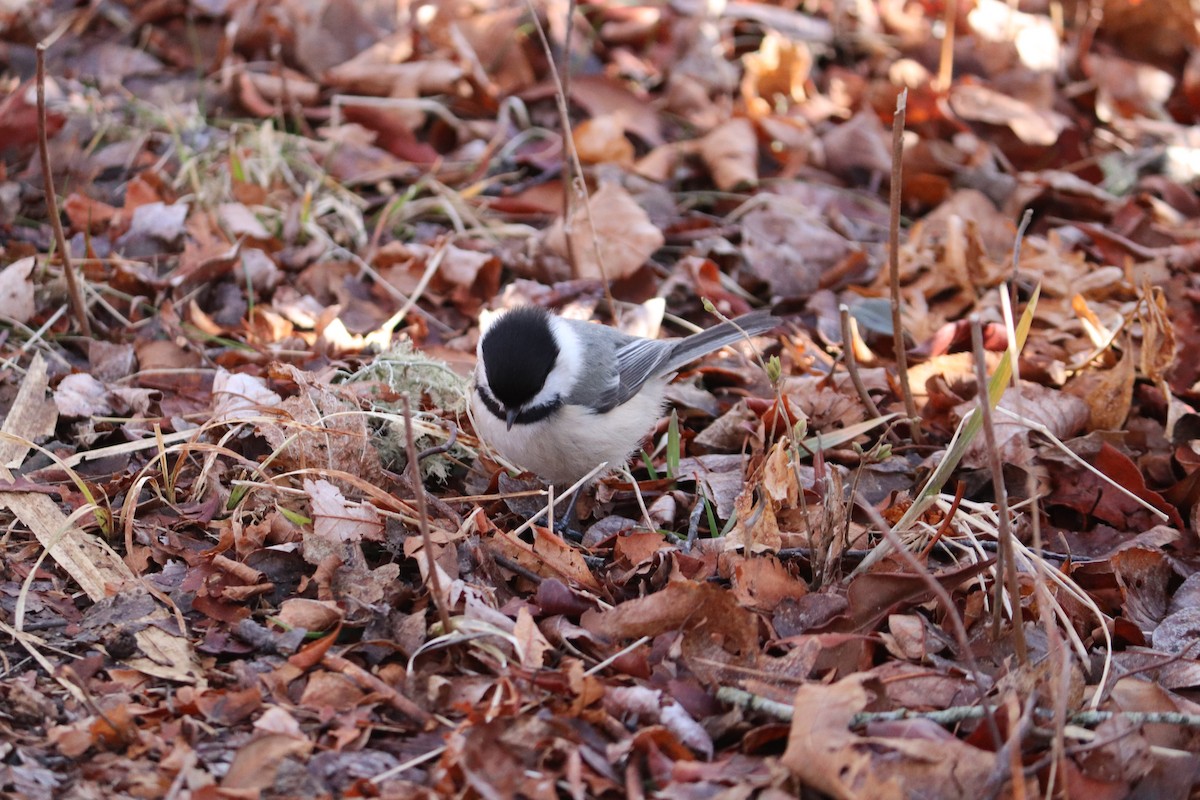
701 344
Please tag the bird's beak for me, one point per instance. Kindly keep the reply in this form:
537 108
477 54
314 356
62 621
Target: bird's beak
511 417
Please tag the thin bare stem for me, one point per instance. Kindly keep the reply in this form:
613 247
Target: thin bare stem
910 405
74 290
575 187
946 61
852 363
1007 568
414 477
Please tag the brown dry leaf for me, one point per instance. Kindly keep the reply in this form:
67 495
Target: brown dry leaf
238 221
337 520
89 214
660 163
859 149
1088 494
1178 633
967 214
312 615
679 605
1107 392
330 690
907 637
655 706
289 87
620 243
601 140
727 434
872 594
601 95
757 529
256 763
789 248
1157 354
1064 415
321 429
549 556
1142 573
490 32
722 476
154 228
81 395
1129 89
16 290
229 707
821 751
778 476
532 645
775 74
730 151
329 32
238 396
975 103
762 583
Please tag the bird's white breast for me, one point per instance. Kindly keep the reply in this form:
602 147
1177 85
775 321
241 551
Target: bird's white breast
569 443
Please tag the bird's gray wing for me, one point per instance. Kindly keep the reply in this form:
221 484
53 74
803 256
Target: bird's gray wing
639 360
618 365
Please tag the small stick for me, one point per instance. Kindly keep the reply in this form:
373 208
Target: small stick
74 290
437 449
575 187
910 405
852 362
1007 578
414 466
946 61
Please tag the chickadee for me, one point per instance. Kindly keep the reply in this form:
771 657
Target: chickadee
558 396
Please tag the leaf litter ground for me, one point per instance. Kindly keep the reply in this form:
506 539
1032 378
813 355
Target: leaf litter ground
221 576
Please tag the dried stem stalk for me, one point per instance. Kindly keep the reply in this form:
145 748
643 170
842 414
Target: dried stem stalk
414 477
910 405
852 363
1007 567
946 61
74 289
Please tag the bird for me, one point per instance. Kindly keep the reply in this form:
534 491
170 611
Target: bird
558 397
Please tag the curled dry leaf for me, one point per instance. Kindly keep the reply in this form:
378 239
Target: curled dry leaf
312 615
337 520
657 707
1033 126
1107 392
601 140
776 72
730 151
789 248
822 751
1062 414
81 395
611 237
16 290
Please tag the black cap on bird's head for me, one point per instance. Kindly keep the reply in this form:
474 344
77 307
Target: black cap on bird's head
519 350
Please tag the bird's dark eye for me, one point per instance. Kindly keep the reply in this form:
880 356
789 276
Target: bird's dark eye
518 353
